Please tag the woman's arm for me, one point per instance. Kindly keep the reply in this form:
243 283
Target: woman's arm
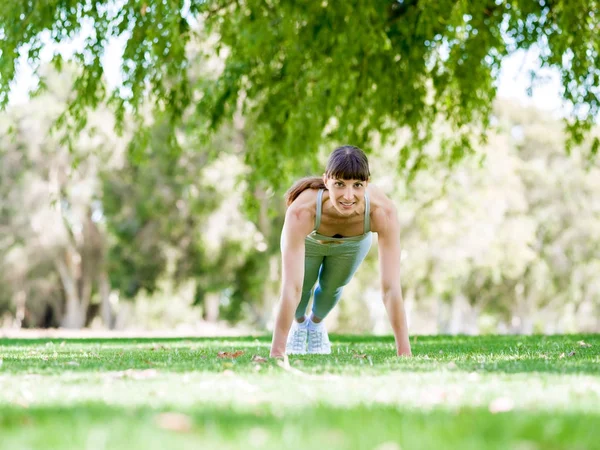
389 266
297 225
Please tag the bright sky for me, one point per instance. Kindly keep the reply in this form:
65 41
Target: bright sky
513 82
515 79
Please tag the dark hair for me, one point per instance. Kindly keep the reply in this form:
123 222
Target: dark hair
346 163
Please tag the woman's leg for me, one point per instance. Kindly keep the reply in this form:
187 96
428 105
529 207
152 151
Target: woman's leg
336 272
312 266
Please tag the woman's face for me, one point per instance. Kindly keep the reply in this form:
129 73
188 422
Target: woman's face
345 195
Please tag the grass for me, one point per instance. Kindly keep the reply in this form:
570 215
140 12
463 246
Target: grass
495 392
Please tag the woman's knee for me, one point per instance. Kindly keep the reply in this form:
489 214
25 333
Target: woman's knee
330 290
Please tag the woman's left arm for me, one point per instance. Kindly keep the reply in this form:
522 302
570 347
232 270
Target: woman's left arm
389 266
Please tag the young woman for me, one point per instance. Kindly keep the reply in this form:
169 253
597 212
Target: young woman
325 237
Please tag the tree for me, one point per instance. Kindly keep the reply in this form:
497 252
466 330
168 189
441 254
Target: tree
314 73
56 246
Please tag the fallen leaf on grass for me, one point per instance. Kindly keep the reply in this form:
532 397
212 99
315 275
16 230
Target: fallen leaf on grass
72 363
235 354
571 353
173 421
584 344
26 421
258 359
501 404
157 347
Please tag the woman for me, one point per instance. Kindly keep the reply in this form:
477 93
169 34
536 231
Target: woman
325 237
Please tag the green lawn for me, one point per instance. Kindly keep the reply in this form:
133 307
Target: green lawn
494 392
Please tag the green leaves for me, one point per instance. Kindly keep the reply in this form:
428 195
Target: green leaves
311 75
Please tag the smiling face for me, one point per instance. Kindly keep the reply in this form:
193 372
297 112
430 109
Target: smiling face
345 195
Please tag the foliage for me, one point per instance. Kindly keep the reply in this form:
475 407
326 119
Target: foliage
512 237
154 207
314 73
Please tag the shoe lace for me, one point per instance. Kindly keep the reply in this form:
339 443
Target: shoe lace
319 342
317 339
298 337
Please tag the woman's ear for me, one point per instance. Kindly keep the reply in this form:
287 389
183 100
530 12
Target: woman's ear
325 179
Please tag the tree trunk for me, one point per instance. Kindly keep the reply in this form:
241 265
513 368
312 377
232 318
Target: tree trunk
443 313
211 307
20 299
522 322
86 292
74 316
105 308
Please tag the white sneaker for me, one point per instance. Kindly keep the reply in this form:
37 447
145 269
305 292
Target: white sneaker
318 340
296 341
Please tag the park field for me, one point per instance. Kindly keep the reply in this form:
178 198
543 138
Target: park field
488 392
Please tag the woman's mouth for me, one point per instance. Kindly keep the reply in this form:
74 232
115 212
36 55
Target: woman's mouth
347 205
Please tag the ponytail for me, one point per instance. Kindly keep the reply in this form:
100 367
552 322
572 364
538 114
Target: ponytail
301 185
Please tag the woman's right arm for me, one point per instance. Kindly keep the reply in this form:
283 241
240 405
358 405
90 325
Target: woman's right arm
298 224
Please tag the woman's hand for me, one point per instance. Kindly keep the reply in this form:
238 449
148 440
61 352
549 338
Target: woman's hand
404 351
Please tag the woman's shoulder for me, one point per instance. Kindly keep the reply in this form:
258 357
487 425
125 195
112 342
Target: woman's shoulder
305 205
383 208
300 215
379 199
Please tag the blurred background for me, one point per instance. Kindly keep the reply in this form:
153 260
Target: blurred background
504 239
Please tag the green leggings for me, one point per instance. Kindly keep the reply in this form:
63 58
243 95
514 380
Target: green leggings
333 264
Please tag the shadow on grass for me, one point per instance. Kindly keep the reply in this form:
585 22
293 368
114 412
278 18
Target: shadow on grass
263 427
